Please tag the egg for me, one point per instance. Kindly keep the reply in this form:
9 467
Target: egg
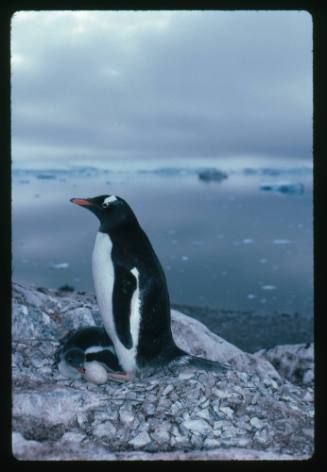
95 372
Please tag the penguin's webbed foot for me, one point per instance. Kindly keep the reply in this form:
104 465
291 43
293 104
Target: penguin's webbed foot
120 376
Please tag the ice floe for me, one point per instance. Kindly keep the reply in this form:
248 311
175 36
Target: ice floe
281 241
59 265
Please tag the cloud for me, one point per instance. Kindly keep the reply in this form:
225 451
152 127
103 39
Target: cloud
162 84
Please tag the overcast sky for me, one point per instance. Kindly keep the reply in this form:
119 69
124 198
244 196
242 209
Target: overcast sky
99 85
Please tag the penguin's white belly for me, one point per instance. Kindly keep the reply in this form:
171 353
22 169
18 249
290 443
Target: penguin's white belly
103 276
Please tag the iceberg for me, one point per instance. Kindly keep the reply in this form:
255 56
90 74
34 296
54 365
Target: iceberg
288 188
212 174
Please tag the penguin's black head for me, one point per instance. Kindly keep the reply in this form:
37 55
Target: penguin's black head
75 357
111 210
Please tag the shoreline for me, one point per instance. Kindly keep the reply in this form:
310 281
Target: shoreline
251 331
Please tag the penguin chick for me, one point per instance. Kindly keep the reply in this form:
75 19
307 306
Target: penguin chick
81 350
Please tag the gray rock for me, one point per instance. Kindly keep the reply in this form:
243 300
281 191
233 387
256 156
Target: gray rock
295 362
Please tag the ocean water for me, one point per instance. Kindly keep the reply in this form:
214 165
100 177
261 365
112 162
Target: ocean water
243 243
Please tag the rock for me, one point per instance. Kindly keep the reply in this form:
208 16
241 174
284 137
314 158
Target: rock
188 412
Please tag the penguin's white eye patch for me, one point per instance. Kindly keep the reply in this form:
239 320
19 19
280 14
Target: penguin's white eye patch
106 202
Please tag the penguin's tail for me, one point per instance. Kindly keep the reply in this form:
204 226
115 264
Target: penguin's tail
204 364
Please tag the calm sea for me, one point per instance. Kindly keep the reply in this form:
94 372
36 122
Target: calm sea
243 243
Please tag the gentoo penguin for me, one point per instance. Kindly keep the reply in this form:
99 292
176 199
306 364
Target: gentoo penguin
87 352
131 291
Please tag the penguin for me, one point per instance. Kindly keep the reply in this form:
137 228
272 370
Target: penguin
132 293
89 353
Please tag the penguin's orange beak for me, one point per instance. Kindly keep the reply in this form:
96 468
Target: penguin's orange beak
80 201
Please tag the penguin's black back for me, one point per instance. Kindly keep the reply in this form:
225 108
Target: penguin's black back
87 337
132 248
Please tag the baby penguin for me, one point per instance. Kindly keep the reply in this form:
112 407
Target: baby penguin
89 353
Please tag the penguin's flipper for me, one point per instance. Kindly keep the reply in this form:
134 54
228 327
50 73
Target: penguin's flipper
124 287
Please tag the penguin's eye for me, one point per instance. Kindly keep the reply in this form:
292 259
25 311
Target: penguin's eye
105 204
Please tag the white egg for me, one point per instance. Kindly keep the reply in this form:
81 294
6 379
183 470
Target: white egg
95 372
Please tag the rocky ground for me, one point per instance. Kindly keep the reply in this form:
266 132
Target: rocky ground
261 409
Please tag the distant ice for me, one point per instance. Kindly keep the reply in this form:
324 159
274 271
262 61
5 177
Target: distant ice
288 188
248 241
268 287
275 171
46 176
198 242
281 241
59 265
185 258
251 296
263 260
166 171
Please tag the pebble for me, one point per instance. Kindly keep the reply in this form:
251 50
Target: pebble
308 432
211 443
24 310
227 411
176 406
104 429
308 397
161 433
261 436
256 422
166 391
203 414
140 440
308 377
149 409
185 375
196 426
126 415
243 442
